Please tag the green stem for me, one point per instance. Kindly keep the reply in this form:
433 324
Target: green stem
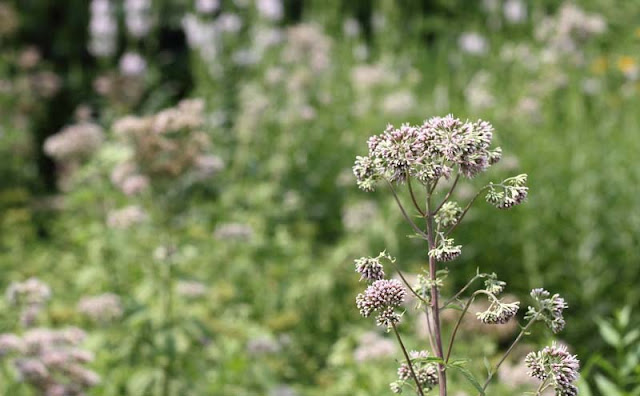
435 306
404 213
504 357
446 197
464 212
455 329
455 297
413 198
406 355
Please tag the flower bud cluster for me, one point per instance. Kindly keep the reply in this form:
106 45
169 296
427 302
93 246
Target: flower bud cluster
548 308
382 296
499 312
555 364
511 192
51 360
370 268
427 152
448 214
446 251
103 308
426 372
493 285
30 297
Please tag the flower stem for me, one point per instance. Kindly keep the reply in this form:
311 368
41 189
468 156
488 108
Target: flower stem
446 197
464 212
504 357
413 198
406 355
404 213
435 306
455 329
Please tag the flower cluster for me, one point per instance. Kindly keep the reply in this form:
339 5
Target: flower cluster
102 308
427 152
426 372
512 191
74 141
493 285
446 251
548 308
555 365
168 144
51 360
448 215
498 312
383 296
126 217
370 268
30 296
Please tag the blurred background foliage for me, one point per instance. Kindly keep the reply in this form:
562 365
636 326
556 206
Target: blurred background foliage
235 271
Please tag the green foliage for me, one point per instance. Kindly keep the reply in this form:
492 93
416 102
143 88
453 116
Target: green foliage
287 134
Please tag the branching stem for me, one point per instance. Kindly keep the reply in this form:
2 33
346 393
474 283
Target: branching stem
446 197
404 213
406 355
504 357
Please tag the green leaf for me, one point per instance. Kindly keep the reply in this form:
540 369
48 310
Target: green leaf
457 362
607 387
630 337
608 333
430 359
583 387
467 374
623 316
487 365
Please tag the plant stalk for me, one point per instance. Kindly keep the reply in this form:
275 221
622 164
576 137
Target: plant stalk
435 306
406 355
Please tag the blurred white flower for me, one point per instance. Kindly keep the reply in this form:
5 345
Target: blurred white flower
207 6
473 43
515 11
270 9
132 64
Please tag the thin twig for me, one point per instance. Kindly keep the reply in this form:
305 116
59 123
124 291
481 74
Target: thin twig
455 329
455 297
413 198
504 357
432 342
404 213
406 355
408 285
446 197
464 212
435 310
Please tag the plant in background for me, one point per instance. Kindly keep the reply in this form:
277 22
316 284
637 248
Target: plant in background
51 361
444 150
618 375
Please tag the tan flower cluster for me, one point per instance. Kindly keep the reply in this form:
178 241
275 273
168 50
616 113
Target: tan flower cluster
168 144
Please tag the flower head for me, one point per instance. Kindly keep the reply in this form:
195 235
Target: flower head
498 312
379 295
555 364
548 308
370 268
426 372
427 152
446 251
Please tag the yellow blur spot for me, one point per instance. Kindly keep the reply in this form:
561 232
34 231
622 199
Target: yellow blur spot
600 65
626 64
637 32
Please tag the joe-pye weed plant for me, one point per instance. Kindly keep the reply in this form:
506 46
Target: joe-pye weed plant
420 157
